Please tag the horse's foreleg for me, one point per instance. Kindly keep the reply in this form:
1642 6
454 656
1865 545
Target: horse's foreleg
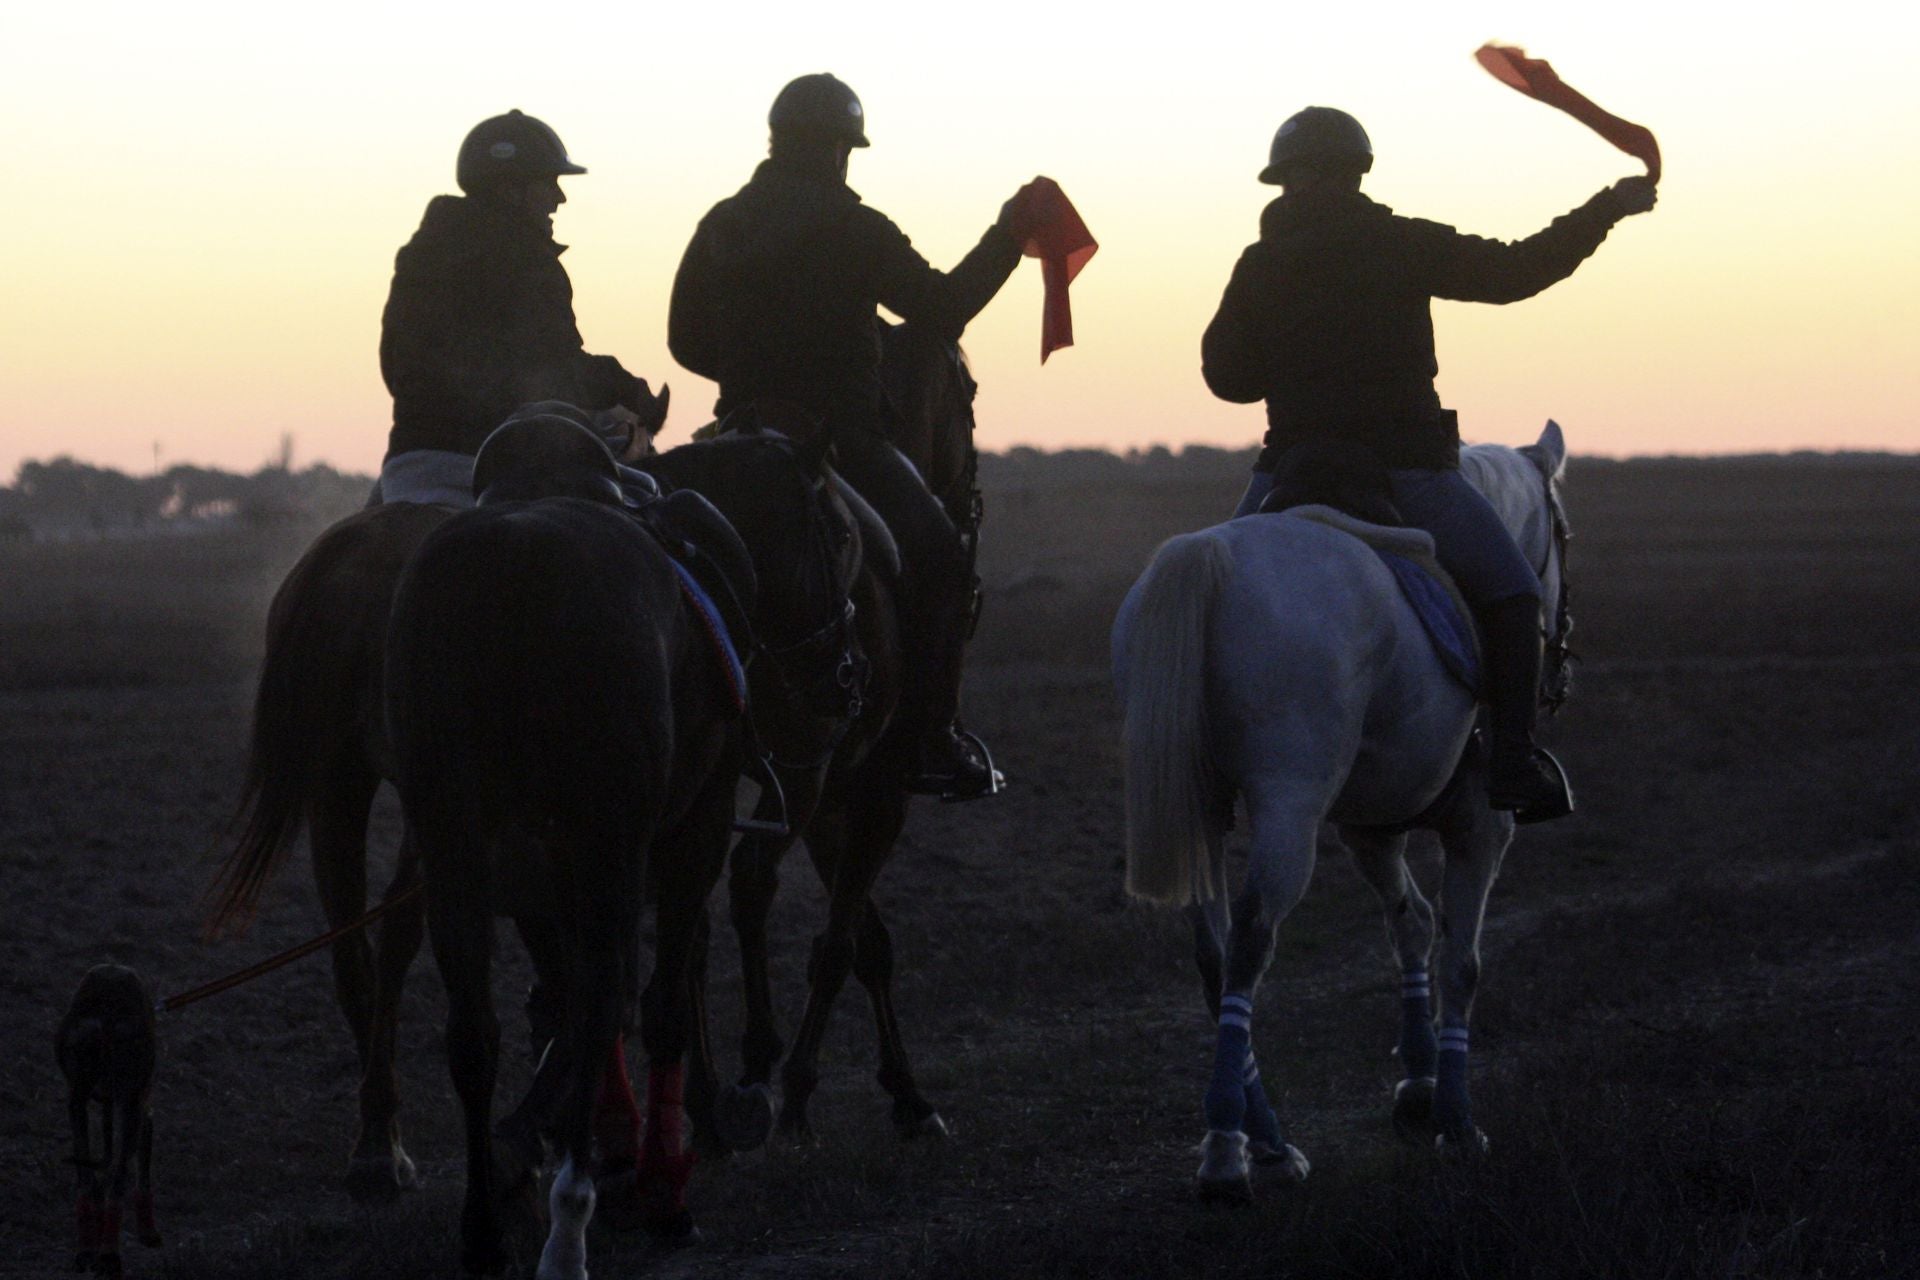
913 1115
1210 927
1280 865
848 849
1382 861
1475 839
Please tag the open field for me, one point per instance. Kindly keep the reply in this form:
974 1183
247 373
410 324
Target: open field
1697 1011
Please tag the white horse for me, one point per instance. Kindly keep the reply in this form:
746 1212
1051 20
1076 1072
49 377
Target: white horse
1276 657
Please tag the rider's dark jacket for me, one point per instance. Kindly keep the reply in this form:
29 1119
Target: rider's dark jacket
775 296
479 320
1328 318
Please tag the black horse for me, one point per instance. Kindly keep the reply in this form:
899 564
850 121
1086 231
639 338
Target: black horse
844 784
567 736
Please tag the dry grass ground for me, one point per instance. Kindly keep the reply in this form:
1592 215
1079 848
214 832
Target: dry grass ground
1690 1051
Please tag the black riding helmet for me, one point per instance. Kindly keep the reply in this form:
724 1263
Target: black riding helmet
1321 136
821 107
511 148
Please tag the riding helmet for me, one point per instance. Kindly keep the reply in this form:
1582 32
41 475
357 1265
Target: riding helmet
511 148
1322 136
819 106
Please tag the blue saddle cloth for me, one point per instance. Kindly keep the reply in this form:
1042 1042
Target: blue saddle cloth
717 632
1408 555
1440 613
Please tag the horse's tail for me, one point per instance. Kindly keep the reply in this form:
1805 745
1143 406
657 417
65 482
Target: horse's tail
304 717
1171 783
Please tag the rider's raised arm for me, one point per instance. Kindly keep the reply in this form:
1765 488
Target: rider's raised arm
909 286
1468 268
1235 351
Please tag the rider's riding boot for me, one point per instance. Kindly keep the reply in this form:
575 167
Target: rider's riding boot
953 764
1523 778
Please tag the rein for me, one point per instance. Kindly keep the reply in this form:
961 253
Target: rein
174 1003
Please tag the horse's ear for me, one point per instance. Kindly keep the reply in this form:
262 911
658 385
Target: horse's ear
815 451
1550 451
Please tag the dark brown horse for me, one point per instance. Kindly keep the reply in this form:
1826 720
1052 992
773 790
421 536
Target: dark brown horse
318 754
845 792
567 740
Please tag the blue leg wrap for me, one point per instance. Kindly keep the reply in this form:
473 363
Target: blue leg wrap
1418 1045
1226 1103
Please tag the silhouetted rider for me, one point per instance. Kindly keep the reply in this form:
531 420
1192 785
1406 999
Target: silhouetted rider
775 300
1328 319
479 318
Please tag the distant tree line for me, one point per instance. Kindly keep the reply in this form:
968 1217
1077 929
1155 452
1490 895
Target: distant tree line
63 499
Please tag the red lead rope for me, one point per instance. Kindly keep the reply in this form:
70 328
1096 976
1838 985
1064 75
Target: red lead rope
1535 78
232 980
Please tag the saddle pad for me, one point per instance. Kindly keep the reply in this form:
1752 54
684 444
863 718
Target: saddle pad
716 629
427 475
1430 589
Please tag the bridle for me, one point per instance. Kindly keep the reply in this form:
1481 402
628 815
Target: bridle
1556 666
822 674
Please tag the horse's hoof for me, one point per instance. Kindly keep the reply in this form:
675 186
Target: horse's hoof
1286 1160
1413 1111
1468 1146
1224 1176
743 1116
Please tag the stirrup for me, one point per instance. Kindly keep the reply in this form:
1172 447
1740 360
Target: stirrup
1548 808
943 785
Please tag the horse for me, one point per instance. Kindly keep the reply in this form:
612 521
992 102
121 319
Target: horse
844 784
106 1045
568 736
318 753
1276 657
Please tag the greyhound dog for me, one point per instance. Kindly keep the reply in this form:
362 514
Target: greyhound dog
106 1047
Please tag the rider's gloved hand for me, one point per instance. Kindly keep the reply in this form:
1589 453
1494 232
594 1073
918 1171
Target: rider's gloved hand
1020 216
1634 195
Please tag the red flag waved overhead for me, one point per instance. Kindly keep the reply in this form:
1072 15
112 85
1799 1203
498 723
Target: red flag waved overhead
1048 227
1536 79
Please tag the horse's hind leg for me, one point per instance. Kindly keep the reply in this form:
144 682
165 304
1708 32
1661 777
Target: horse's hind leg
1381 858
401 931
343 797
460 926
1265 1145
1475 839
1281 863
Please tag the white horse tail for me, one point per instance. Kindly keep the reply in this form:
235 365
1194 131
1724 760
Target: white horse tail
1170 779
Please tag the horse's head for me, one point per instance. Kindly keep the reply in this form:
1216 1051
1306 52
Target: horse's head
806 553
931 390
1524 487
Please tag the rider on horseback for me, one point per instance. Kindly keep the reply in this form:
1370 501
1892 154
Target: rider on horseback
1328 319
479 319
775 300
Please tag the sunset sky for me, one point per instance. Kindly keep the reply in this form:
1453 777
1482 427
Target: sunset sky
203 202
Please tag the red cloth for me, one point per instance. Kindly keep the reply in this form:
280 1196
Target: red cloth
1535 78
1049 228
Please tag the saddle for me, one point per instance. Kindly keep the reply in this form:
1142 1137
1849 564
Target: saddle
1436 599
550 456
